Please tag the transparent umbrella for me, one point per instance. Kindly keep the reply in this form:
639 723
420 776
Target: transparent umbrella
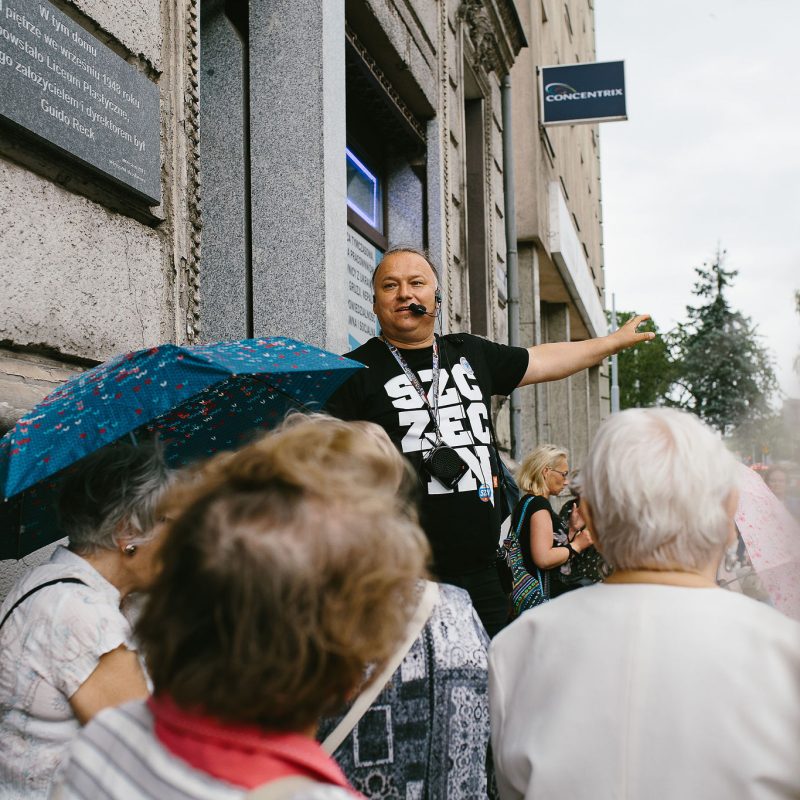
771 537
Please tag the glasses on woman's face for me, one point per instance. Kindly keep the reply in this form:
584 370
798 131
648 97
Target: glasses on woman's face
562 474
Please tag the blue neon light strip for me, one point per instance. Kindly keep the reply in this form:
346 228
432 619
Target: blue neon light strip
365 215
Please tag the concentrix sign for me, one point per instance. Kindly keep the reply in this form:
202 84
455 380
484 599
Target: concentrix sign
576 93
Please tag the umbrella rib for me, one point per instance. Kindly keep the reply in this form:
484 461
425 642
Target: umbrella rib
285 394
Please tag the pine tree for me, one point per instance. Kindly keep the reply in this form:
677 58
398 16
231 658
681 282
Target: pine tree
724 373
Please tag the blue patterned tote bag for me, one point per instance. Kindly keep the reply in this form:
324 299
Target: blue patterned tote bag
527 590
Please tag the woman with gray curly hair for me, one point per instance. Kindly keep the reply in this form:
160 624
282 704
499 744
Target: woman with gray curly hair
678 687
66 650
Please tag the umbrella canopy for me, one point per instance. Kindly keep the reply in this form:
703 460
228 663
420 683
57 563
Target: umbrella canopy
199 401
772 539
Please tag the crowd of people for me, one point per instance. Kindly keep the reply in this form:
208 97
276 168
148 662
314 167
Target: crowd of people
655 682
315 616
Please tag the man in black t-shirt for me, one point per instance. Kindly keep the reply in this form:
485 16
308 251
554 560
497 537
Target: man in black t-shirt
462 523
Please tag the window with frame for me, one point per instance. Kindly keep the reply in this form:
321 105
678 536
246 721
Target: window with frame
364 195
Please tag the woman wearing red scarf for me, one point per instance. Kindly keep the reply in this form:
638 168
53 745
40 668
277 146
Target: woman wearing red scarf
282 580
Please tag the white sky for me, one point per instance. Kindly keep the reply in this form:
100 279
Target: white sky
710 153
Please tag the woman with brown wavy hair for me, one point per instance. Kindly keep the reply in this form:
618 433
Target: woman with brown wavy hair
282 581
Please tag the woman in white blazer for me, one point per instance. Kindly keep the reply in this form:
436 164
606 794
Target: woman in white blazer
657 683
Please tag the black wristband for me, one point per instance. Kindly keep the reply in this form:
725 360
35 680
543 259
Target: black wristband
572 550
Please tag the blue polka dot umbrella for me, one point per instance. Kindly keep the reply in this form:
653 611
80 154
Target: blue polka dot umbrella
198 400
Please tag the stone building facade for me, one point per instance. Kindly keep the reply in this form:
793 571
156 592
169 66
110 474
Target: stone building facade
413 98
298 139
88 270
559 229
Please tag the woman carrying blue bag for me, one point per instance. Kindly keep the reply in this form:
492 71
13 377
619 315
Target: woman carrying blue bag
538 543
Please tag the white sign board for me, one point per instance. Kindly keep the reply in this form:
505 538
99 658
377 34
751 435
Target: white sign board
362 257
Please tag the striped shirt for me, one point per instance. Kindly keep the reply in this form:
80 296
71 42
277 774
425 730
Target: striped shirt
117 756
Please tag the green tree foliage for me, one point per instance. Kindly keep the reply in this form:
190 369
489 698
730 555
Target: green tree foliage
646 372
723 372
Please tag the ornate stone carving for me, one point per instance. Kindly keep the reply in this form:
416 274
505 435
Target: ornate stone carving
482 34
192 126
495 31
448 271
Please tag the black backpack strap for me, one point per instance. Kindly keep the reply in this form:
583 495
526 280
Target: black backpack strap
36 589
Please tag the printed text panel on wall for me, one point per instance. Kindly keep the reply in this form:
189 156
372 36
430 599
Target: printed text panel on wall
66 87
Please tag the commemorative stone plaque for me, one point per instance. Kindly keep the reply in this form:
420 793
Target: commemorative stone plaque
63 85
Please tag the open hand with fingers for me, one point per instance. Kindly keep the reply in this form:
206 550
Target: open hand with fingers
629 335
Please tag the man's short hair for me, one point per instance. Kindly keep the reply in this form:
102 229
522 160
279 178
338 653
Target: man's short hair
657 481
284 576
401 248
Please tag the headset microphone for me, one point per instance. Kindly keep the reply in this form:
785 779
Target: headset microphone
416 308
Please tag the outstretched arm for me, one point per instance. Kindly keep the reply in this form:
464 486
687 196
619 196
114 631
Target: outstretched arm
552 361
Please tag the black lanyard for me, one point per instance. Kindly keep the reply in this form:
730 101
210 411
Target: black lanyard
433 408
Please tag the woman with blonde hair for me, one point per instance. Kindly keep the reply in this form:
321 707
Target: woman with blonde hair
285 575
536 538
